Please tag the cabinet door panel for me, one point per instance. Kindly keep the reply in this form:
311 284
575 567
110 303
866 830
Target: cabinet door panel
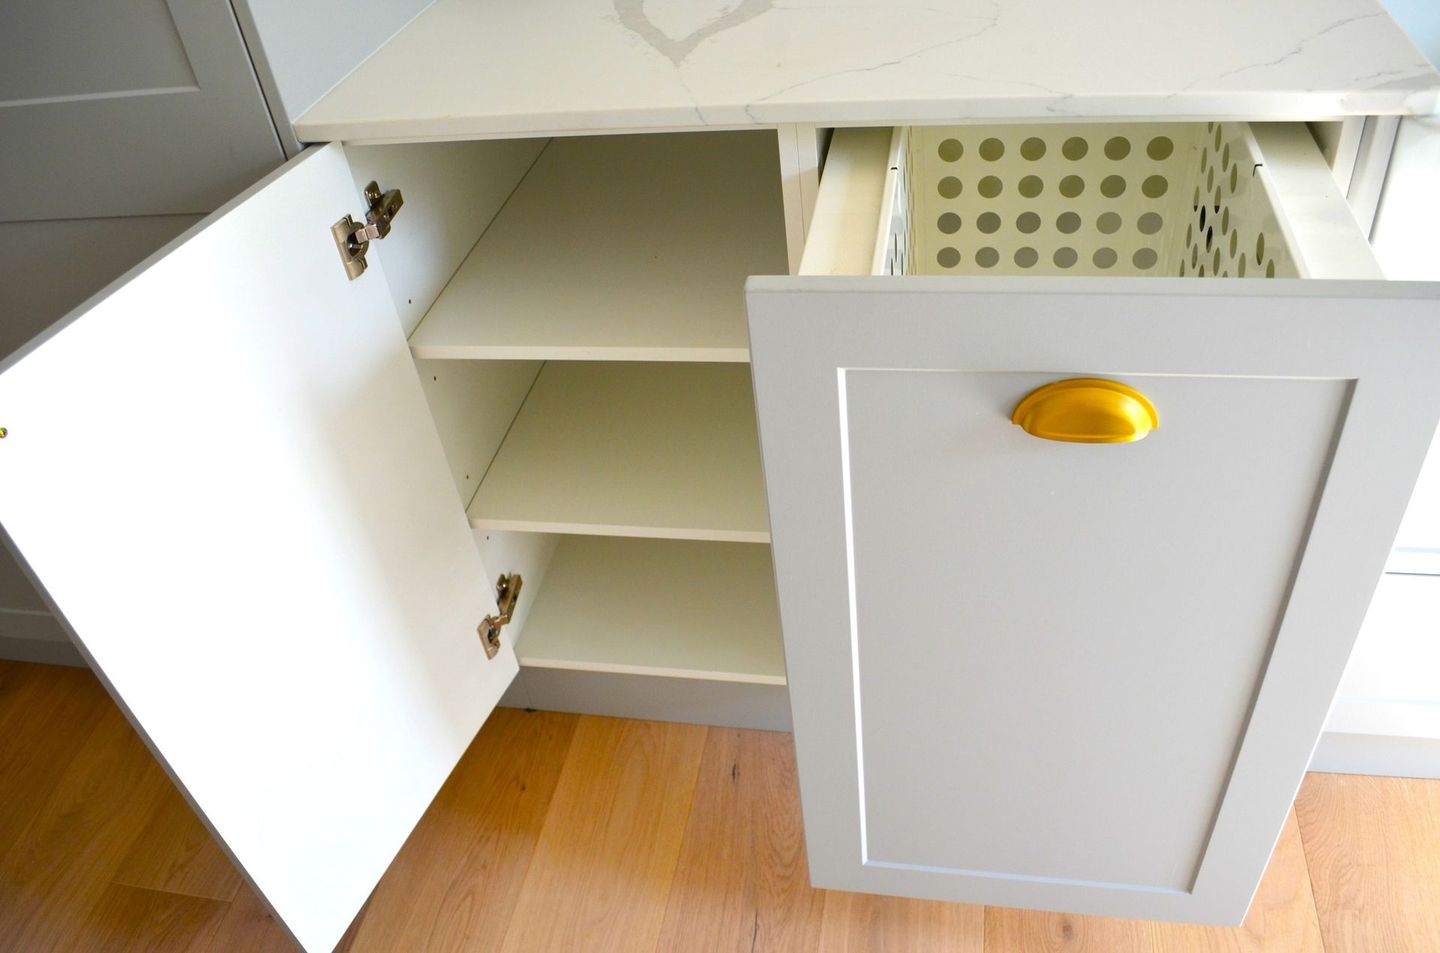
1077 677
148 107
224 474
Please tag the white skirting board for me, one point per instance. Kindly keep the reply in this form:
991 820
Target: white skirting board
36 637
40 651
1384 755
1386 716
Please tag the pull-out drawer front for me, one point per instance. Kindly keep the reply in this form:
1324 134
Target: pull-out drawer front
1059 615
1058 675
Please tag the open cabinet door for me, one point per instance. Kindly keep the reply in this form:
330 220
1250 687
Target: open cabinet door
1083 677
224 473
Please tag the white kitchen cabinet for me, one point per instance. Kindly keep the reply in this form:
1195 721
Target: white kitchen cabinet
1090 676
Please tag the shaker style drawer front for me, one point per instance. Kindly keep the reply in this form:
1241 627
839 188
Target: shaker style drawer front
1041 626
1081 469
1033 664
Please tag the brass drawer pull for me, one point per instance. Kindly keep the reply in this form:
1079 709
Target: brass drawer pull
1086 410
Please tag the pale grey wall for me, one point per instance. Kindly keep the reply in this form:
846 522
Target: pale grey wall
1421 19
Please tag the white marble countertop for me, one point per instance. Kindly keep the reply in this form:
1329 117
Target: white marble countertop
475 68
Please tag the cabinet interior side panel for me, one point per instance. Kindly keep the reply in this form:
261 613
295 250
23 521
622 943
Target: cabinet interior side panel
473 404
453 191
529 555
1309 224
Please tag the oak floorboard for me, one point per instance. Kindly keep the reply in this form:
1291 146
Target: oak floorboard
1282 919
861 923
17 680
601 872
46 713
248 927
741 883
458 878
63 861
129 919
1033 931
175 853
1373 847
651 837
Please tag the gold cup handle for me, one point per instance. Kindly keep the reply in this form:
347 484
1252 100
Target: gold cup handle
1086 410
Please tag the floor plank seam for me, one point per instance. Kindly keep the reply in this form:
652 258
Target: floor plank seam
125 882
168 893
1309 874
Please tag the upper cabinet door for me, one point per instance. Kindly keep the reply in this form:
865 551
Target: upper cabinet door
1076 676
148 107
225 475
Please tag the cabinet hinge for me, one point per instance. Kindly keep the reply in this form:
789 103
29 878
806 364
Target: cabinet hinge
353 238
507 593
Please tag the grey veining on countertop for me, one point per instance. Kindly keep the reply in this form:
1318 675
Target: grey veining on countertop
470 68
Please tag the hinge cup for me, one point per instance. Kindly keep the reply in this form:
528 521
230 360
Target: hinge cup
353 238
507 594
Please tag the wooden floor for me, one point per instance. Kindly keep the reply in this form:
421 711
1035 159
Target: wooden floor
567 833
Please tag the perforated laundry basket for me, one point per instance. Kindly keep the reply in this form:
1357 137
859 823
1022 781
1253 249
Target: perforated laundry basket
1135 199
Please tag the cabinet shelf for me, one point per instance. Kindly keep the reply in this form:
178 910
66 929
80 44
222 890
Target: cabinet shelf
631 449
629 248
667 608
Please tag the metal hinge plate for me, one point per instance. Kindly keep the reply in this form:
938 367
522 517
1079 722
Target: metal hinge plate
507 593
353 238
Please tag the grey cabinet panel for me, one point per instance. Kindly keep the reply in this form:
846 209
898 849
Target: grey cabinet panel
145 107
1084 678
301 50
